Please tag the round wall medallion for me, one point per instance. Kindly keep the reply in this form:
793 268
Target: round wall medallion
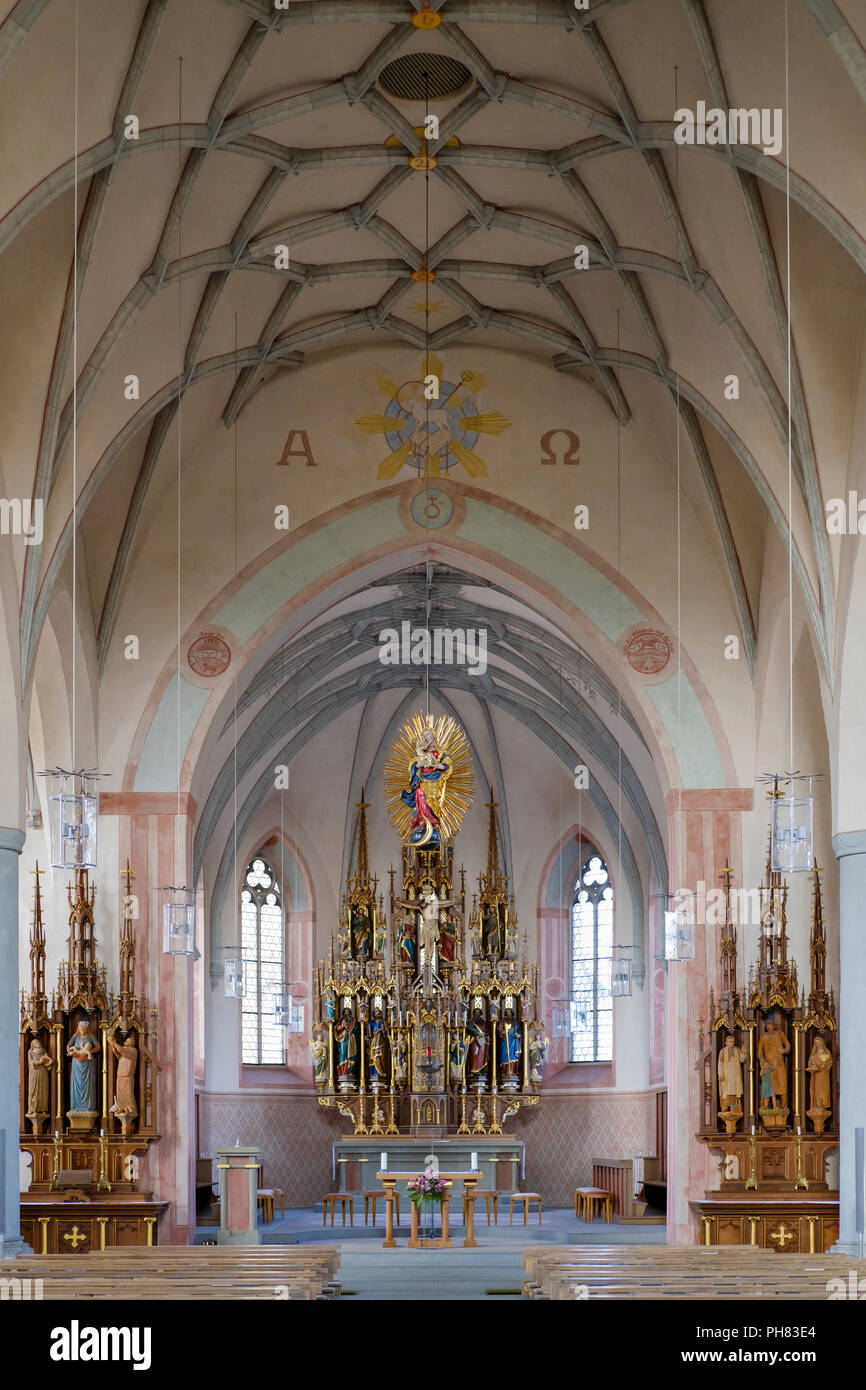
648 651
432 507
209 655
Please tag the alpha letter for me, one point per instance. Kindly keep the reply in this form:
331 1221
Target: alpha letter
581 777
732 388
130 127
281 778
130 648
130 387
431 388
281 257
581 258
431 127
304 451
581 517
281 517
732 647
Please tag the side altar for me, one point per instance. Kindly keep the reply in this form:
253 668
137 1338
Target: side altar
89 1089
426 1025
769 1064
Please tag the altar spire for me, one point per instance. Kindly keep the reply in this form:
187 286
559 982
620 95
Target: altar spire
362 872
492 841
37 948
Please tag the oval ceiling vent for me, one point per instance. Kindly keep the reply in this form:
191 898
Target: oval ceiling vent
415 76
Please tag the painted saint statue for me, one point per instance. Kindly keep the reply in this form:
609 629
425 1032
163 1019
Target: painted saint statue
477 1056
819 1064
125 1105
38 1081
379 1050
428 775
82 1048
346 1034
510 1046
407 942
730 1072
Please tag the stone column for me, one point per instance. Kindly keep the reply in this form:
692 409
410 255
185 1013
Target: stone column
850 850
11 843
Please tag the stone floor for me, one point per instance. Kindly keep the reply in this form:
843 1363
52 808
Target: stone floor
369 1272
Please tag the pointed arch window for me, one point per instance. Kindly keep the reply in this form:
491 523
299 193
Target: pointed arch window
264 951
591 943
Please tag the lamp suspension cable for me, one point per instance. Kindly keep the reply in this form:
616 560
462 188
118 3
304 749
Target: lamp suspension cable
235 682
681 867
788 346
180 357
74 662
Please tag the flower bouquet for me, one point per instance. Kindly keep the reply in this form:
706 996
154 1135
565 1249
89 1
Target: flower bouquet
429 1187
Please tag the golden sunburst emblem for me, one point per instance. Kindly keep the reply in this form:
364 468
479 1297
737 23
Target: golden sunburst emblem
428 780
432 435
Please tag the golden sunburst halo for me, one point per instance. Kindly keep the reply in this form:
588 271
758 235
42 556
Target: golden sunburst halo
455 796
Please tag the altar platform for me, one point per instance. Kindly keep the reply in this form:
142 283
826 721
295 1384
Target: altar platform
356 1159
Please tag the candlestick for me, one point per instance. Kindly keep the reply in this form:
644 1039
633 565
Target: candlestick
474 1163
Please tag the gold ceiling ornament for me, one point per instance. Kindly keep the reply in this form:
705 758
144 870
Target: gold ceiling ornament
423 275
428 780
425 18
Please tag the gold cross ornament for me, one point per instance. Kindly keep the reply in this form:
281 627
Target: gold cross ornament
77 1237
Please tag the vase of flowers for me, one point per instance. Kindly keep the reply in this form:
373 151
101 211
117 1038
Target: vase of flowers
427 1191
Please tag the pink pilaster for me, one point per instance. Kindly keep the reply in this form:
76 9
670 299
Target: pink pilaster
704 830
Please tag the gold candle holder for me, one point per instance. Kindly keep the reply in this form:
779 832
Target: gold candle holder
103 1185
463 1127
54 1185
495 1126
752 1179
392 1128
801 1180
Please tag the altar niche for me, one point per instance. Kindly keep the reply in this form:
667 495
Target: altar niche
88 1077
427 1028
769 1067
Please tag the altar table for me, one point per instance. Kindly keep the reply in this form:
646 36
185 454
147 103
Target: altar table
389 1180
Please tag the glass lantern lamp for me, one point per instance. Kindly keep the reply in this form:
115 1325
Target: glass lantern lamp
72 821
235 985
791 834
178 921
620 971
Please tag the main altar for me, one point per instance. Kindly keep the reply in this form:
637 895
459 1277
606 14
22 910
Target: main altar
426 1036
768 1063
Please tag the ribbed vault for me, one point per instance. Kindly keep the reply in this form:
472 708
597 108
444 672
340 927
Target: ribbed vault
552 196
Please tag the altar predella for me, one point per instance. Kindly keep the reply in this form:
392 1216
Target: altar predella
425 1022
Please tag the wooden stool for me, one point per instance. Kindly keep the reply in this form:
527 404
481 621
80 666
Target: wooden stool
331 1199
597 1196
280 1196
488 1197
374 1197
265 1196
525 1198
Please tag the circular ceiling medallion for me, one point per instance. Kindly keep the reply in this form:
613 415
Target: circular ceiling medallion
432 507
648 651
209 655
420 76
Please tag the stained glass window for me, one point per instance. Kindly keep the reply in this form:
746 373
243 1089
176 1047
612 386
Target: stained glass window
263 942
591 942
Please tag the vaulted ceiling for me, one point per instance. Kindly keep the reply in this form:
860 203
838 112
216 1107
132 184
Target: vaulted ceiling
261 127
